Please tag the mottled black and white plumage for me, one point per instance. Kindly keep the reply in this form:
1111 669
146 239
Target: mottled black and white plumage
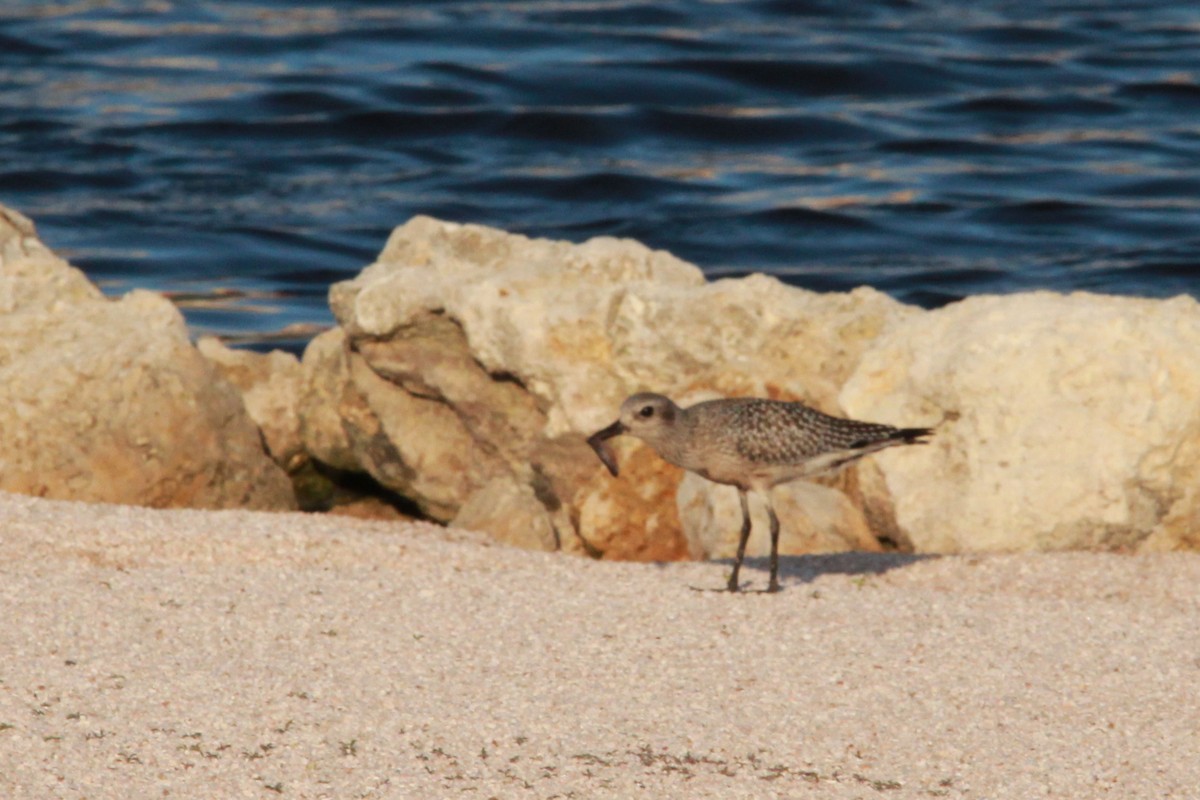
750 443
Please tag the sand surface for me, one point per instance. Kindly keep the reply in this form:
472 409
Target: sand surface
229 654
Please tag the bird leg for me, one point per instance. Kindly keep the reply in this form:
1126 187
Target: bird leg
741 551
773 586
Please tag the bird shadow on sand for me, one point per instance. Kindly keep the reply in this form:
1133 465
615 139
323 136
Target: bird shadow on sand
798 570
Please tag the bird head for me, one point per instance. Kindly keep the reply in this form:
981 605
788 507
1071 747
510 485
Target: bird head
647 416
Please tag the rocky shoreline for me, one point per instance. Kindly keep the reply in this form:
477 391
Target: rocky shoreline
468 364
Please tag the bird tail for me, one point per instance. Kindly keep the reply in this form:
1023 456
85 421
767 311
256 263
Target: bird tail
864 447
888 438
911 435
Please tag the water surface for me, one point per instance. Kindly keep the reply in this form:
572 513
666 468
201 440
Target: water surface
244 154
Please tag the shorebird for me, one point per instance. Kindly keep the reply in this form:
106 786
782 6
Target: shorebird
751 443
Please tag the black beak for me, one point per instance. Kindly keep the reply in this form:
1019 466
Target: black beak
596 442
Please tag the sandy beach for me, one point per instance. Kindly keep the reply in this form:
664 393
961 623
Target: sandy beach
237 654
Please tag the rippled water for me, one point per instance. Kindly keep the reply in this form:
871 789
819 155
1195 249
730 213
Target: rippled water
244 155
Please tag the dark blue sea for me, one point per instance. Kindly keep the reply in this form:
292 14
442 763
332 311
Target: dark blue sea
243 155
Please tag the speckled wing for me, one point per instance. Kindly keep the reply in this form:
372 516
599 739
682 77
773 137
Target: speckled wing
773 432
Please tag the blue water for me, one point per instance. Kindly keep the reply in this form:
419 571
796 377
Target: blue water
244 155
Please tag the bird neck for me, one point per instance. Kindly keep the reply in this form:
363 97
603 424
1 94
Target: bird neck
672 443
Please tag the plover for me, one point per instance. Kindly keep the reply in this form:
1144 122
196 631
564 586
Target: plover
751 443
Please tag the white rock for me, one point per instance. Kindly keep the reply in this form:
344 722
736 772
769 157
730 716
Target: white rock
1070 421
813 518
582 326
566 332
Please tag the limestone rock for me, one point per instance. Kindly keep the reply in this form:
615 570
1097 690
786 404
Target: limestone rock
107 401
496 420
270 386
813 518
582 326
511 512
1069 422
327 397
636 517
32 276
469 356
410 442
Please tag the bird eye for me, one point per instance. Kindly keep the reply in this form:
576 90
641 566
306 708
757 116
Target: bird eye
647 412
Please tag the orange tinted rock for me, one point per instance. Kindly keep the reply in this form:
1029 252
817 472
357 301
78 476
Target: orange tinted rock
107 401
